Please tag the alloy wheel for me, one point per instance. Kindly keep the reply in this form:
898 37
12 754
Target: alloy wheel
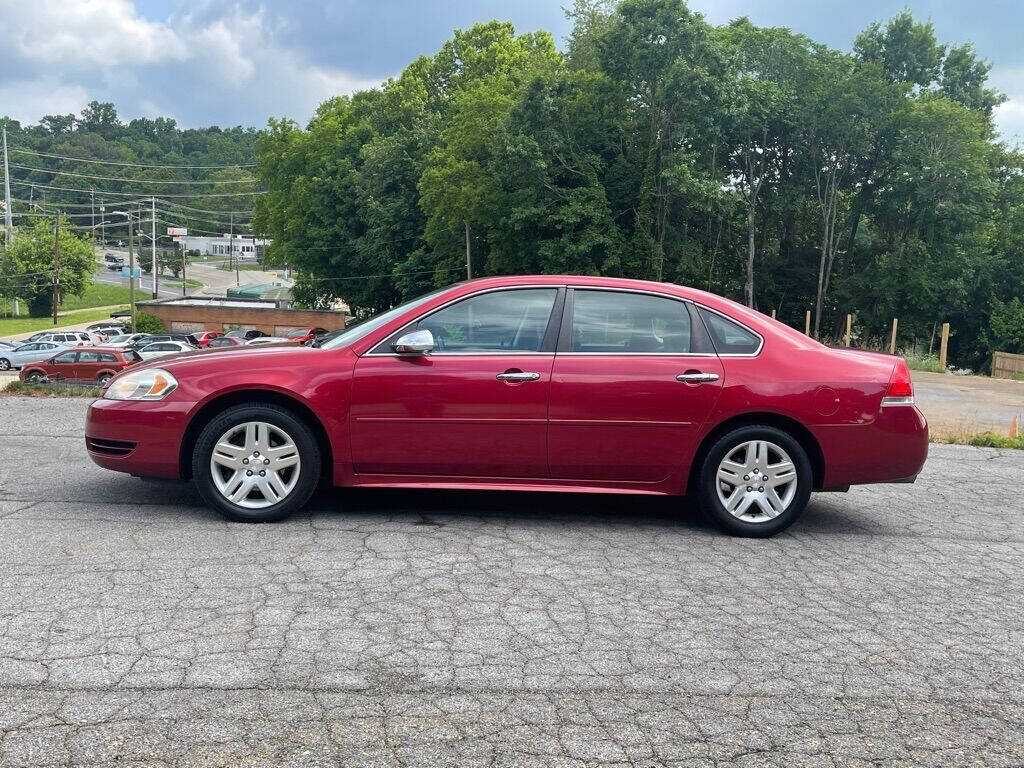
756 481
5 364
255 465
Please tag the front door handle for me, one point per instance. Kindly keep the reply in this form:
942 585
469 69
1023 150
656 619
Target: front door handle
695 377
517 376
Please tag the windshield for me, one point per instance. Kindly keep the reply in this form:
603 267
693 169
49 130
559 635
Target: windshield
359 330
296 333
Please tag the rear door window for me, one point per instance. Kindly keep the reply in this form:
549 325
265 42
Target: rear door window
66 358
89 357
611 322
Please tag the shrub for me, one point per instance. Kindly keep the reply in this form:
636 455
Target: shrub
147 323
924 363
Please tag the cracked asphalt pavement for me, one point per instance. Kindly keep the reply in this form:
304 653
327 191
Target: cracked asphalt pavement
436 629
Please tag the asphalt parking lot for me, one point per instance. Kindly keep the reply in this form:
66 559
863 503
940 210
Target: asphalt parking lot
436 629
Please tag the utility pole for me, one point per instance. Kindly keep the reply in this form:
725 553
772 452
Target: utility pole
469 256
8 225
152 246
131 266
56 266
92 208
103 223
183 267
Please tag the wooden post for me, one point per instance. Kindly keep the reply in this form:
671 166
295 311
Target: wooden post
849 328
943 344
807 323
892 339
773 314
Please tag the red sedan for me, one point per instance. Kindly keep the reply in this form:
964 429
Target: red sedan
204 338
526 383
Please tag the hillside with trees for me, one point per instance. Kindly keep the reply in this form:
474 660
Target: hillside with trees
201 178
749 161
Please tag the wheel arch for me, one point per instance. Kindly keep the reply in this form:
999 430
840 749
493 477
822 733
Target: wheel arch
790 426
219 403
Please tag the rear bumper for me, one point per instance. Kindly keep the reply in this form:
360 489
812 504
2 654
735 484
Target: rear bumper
141 438
891 449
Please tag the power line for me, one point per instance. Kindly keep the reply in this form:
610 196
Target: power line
129 165
203 210
133 194
131 181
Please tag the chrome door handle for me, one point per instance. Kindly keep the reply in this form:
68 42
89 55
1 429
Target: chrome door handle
518 376
691 378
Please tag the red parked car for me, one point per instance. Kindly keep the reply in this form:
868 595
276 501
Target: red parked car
93 364
526 383
204 338
303 335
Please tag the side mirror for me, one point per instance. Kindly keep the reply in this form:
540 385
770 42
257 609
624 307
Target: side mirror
414 343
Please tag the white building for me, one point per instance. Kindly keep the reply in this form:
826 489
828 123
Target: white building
245 246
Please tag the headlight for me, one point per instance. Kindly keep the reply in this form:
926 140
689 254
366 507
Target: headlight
152 384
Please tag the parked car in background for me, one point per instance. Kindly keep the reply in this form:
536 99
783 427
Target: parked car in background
153 338
303 335
266 340
225 341
94 364
32 352
124 340
163 348
569 383
8 344
122 314
67 338
106 327
246 335
109 256
205 337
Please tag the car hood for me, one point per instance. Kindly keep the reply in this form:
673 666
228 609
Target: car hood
237 357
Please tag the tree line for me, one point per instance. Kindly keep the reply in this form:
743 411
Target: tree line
750 161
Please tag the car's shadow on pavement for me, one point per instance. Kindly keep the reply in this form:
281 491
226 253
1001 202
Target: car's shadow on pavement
440 507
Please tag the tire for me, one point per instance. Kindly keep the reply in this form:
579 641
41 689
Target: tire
768 507
238 434
5 364
103 378
35 377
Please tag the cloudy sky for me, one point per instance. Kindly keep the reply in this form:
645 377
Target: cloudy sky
231 63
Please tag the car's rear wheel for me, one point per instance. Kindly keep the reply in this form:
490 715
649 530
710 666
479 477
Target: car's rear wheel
5 364
755 481
103 378
256 463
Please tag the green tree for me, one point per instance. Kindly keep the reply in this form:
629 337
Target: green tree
26 266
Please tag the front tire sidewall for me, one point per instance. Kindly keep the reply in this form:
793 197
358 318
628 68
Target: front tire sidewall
5 364
708 492
309 454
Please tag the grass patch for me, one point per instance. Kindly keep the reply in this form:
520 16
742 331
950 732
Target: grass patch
983 440
24 389
12 326
929 363
98 295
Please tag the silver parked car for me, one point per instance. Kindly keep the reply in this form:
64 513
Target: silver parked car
33 352
161 348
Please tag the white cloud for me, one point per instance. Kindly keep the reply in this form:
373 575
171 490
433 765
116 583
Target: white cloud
222 64
1009 117
29 100
94 32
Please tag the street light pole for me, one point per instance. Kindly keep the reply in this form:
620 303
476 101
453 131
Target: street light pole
131 261
152 247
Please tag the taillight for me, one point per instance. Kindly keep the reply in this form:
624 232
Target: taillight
901 389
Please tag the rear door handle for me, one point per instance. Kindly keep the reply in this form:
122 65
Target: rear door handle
518 376
695 377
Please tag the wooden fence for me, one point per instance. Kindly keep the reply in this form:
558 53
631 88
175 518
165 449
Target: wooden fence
1005 365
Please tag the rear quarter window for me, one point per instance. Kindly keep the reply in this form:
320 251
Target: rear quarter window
728 336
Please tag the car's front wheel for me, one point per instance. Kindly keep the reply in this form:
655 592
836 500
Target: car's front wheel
5 364
35 377
755 481
256 463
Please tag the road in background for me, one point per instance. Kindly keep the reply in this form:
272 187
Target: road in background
471 629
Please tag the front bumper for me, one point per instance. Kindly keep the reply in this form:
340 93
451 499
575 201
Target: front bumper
138 437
